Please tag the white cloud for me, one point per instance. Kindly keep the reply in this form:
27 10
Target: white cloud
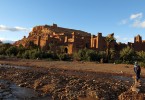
13 29
136 16
136 21
2 39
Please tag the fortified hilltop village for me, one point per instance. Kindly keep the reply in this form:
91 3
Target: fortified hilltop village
72 40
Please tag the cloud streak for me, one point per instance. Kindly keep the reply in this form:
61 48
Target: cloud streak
135 20
136 16
13 29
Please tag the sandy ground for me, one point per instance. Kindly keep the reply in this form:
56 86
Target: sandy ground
86 66
62 84
59 80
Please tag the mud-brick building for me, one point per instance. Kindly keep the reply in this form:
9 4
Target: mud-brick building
58 39
139 44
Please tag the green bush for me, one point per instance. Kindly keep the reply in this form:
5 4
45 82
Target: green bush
87 55
64 57
2 56
91 55
102 56
4 47
82 54
26 54
76 56
142 64
118 61
12 51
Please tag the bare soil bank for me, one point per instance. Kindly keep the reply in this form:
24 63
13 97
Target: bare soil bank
85 66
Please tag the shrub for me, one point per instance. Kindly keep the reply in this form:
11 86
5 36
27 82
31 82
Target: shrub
4 47
102 56
2 57
64 57
91 55
82 54
87 55
26 54
12 51
76 56
142 64
118 61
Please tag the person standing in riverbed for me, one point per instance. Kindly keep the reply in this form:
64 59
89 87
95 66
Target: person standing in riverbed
137 71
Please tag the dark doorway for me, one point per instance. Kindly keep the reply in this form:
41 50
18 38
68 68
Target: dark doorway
66 50
87 45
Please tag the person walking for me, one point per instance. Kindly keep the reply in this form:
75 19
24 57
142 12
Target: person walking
137 71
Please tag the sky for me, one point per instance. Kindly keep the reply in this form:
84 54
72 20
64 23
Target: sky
124 18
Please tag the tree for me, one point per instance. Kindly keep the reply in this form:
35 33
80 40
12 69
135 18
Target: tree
109 39
51 46
12 51
112 54
31 45
127 55
4 47
141 56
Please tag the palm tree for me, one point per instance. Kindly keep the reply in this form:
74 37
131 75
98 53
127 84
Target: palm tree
127 54
112 53
110 38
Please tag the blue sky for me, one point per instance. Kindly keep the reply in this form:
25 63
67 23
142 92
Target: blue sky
125 18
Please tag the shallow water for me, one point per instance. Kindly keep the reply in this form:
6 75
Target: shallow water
123 78
22 93
11 66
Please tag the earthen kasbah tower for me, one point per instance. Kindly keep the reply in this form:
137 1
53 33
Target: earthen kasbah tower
66 40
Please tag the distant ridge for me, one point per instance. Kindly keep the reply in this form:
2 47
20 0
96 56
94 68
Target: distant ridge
8 41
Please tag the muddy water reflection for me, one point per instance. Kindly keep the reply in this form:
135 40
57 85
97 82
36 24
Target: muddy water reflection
14 92
22 92
123 78
11 66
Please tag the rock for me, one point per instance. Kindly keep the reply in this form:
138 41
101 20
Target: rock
93 94
23 84
135 89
